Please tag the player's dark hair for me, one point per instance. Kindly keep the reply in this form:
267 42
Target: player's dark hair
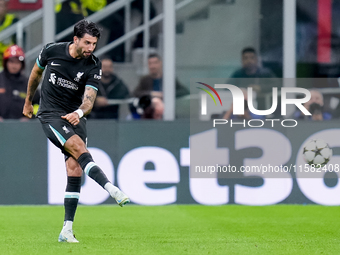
86 27
250 50
154 55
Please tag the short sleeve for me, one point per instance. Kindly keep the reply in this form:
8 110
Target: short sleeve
42 58
94 77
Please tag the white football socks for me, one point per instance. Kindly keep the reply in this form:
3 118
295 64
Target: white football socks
111 189
68 225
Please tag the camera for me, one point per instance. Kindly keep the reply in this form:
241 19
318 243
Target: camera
315 108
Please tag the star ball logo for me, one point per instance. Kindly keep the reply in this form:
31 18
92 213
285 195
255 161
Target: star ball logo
238 104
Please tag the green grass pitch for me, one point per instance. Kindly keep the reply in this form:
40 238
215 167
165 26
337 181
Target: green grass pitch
174 229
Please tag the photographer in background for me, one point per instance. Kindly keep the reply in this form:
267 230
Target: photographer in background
315 107
147 107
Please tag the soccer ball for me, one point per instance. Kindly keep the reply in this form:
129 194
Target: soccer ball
317 152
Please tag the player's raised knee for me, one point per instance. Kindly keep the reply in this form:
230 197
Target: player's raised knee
75 146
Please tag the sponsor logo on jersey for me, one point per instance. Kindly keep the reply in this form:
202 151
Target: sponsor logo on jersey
55 64
97 76
79 75
67 84
62 82
52 78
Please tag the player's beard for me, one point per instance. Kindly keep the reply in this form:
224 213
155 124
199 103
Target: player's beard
81 53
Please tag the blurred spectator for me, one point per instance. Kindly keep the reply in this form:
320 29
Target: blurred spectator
251 69
251 72
261 79
110 87
6 20
315 107
247 113
13 84
152 84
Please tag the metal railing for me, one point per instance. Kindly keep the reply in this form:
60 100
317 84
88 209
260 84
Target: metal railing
19 27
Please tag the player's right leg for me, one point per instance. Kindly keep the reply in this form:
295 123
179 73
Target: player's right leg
71 140
76 147
59 131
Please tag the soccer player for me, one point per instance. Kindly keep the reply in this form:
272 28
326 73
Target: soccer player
68 91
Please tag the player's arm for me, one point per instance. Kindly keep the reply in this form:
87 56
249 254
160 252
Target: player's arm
33 83
88 100
85 108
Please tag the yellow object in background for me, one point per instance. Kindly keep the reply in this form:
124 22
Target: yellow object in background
35 109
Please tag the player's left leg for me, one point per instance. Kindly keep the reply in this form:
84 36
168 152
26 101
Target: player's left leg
74 173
